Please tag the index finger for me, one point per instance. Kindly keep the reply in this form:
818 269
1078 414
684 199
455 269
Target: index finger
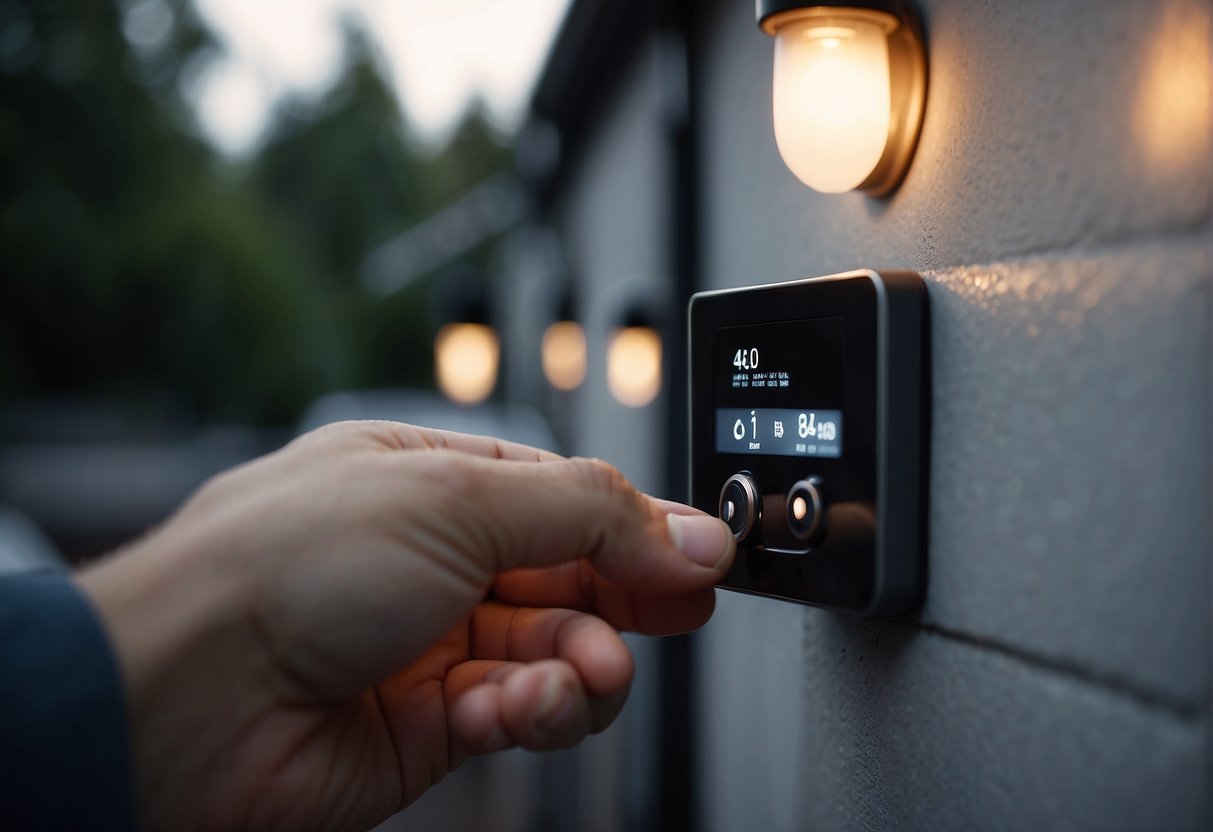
510 515
576 585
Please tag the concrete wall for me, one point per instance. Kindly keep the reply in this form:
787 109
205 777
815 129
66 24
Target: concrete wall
1059 207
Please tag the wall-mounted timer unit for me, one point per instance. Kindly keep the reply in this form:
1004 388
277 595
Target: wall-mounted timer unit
809 426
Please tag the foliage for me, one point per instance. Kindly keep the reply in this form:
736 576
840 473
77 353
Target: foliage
136 262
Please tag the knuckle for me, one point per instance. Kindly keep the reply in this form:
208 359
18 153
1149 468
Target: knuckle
451 476
619 505
602 477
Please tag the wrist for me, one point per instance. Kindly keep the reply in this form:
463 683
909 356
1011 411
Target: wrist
160 607
175 622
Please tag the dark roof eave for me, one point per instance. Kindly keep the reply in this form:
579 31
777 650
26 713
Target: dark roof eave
596 42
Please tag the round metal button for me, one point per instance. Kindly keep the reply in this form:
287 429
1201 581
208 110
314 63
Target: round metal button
740 504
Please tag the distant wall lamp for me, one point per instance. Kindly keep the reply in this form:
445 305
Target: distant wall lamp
467 350
849 88
634 361
466 356
564 350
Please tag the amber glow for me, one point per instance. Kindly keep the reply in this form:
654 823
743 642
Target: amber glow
832 99
564 355
1171 117
800 508
465 361
634 365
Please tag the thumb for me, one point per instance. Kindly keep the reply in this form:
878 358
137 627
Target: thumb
535 514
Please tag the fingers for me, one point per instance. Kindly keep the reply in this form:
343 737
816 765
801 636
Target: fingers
576 586
515 514
544 705
512 506
540 678
672 507
590 645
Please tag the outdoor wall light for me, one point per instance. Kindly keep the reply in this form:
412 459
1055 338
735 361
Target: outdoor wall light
466 356
564 350
467 350
849 87
634 361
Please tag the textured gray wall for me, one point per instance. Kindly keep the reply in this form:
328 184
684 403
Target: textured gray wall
1059 674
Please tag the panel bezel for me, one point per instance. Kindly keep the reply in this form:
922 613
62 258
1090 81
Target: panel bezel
870 559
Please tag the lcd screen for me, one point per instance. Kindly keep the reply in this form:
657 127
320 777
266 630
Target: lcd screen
779 388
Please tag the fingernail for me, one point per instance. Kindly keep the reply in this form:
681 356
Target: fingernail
556 705
701 539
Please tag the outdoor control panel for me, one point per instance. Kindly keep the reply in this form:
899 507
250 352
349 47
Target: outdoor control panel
809 424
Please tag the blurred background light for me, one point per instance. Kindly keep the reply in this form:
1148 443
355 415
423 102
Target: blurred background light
564 355
148 24
439 56
466 356
634 365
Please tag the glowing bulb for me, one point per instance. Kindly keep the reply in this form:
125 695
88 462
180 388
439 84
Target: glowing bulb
831 37
465 361
634 365
832 98
800 508
564 355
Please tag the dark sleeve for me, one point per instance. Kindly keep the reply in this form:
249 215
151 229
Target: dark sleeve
64 749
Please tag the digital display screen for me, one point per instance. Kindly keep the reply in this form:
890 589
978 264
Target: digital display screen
779 388
779 432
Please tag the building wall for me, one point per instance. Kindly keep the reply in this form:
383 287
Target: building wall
1058 206
613 220
613 224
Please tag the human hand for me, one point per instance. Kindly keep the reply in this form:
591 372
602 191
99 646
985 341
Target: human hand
317 637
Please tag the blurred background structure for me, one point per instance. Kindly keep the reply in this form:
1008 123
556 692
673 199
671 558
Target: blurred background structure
225 222
192 196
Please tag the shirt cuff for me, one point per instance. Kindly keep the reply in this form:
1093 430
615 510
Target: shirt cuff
65 757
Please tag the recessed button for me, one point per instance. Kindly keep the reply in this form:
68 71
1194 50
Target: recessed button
806 509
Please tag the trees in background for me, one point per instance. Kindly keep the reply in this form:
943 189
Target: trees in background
136 263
